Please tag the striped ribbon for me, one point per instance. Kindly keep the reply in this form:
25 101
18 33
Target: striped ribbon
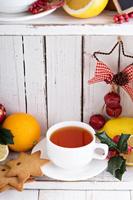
104 73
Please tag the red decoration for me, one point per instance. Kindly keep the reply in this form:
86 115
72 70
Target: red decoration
112 99
97 121
2 113
43 5
104 73
114 112
121 18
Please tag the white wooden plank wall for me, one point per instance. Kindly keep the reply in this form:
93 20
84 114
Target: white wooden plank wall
64 64
11 74
34 63
47 76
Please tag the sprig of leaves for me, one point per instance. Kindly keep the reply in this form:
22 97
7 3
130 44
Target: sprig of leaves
104 138
116 164
6 136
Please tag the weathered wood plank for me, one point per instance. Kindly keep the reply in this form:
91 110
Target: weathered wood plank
131 195
82 185
14 195
94 94
63 78
61 195
12 74
34 59
104 195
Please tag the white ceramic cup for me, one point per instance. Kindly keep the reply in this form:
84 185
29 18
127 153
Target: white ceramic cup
70 158
15 6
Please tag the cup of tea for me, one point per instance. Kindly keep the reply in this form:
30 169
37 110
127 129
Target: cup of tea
72 145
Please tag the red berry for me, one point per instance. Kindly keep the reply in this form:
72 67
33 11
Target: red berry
121 17
112 153
114 112
116 139
2 113
112 99
130 15
97 121
129 150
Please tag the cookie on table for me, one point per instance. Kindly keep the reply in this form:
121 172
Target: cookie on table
26 166
7 182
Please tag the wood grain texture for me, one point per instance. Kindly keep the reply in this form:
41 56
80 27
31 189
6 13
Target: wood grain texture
131 195
90 185
62 195
104 195
63 78
60 23
14 195
94 94
34 61
12 74
127 103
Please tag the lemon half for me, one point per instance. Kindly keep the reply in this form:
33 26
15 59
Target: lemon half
4 151
84 8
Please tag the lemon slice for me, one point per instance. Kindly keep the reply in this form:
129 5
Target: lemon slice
4 151
130 141
84 8
129 158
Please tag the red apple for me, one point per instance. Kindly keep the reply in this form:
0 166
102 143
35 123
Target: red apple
97 121
112 100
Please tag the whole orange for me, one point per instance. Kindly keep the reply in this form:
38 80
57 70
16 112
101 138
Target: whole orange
25 129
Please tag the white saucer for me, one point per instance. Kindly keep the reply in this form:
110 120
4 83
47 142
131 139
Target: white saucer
15 17
52 171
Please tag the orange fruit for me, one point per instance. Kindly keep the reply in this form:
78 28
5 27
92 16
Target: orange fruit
25 129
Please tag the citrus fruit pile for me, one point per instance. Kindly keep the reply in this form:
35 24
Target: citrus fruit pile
84 8
25 129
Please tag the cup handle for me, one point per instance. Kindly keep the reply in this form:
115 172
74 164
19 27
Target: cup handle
104 147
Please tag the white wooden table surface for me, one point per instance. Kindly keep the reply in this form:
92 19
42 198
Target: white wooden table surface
65 195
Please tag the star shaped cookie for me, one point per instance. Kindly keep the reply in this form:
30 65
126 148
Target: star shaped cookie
7 182
26 166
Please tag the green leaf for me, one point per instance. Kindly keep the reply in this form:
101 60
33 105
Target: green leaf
122 144
104 138
6 136
117 166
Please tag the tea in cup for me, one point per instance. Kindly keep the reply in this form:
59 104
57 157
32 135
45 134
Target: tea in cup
72 144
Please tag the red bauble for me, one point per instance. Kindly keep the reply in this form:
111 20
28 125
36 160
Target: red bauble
97 121
2 113
114 112
112 100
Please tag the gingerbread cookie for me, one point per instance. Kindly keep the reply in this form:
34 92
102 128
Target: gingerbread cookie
7 182
25 166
